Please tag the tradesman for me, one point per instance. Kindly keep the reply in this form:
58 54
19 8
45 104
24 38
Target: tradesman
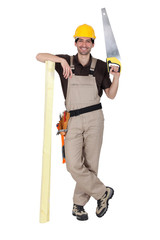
83 80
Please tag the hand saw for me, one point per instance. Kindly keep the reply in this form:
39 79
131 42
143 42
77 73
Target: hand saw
112 53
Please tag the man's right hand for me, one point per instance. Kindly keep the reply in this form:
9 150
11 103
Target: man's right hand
67 72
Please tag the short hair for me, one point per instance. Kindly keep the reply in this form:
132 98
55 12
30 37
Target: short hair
92 39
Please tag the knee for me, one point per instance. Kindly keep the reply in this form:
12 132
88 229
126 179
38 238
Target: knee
68 166
73 167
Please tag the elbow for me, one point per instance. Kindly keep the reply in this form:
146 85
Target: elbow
112 97
110 94
39 57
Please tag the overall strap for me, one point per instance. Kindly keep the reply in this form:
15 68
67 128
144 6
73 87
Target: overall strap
93 65
71 64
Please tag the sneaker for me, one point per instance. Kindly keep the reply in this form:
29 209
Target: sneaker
102 203
79 212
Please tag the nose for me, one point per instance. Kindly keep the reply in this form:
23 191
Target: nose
84 44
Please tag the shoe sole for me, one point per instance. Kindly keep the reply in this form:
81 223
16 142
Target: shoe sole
105 209
84 218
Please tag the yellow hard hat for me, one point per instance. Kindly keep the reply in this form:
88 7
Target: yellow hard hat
84 31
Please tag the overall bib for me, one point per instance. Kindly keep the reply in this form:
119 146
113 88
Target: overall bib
84 137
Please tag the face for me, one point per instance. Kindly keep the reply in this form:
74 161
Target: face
84 45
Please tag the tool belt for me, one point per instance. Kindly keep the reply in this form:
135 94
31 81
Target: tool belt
77 112
64 118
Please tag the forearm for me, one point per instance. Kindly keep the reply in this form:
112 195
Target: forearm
43 57
112 91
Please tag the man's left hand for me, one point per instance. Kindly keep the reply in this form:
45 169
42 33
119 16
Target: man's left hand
114 71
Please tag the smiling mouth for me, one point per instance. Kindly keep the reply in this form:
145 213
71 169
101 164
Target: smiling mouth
83 48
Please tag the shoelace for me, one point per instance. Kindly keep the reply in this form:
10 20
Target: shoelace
101 201
80 208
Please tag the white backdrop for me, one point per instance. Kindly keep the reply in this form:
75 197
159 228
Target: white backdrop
130 151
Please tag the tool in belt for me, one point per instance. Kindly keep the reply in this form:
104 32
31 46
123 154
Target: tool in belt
64 118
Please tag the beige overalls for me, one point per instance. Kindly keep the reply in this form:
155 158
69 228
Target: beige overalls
84 137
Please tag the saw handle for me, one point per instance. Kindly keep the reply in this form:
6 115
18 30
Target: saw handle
113 61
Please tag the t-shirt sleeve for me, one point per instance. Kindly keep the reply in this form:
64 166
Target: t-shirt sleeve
106 83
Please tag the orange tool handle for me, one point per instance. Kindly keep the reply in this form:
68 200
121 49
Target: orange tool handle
63 150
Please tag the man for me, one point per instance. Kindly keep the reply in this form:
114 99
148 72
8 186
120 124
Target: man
83 80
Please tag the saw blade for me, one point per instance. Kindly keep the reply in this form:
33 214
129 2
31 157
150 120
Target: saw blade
111 46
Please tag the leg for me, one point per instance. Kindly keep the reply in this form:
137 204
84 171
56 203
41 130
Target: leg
79 196
93 137
86 179
74 153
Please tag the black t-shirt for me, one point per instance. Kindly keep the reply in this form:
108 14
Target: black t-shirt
100 73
